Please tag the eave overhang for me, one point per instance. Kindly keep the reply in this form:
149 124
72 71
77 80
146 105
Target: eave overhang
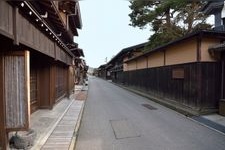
127 50
72 9
43 24
54 18
78 52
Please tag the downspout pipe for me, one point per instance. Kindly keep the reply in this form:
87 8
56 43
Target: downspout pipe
222 79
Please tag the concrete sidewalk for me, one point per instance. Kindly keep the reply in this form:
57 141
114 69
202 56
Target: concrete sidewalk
57 128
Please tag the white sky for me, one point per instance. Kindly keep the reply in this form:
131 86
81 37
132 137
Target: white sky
106 30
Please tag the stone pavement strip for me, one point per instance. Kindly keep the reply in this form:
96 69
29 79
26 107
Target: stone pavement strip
62 136
57 128
81 96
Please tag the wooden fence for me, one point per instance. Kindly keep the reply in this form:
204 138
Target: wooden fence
196 85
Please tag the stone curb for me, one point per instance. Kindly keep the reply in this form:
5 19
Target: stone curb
74 139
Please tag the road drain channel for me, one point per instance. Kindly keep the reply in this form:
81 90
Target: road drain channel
149 106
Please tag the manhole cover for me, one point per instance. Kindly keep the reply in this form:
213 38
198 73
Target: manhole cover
124 129
149 106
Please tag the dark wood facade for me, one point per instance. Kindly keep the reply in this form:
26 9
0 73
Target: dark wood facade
199 89
35 61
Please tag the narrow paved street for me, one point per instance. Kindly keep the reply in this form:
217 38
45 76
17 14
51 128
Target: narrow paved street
115 119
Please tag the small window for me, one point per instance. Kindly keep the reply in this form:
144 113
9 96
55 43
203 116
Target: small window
178 73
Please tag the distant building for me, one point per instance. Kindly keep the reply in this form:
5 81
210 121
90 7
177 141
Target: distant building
101 71
91 70
116 65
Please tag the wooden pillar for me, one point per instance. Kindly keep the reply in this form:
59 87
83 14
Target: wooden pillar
67 70
199 45
146 61
44 85
222 76
52 85
3 134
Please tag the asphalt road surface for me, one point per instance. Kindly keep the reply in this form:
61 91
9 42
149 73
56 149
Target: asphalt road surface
115 119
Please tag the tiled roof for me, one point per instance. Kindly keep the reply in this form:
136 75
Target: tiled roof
126 50
198 33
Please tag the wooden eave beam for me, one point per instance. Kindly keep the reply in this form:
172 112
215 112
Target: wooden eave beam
68 6
57 12
50 6
55 18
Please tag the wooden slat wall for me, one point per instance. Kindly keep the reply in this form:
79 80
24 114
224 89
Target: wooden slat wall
200 87
6 15
34 38
57 52
15 94
69 60
63 56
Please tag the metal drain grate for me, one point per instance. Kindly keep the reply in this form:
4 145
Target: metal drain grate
149 106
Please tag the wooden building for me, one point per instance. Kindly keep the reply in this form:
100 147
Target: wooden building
101 71
35 59
116 65
79 66
183 74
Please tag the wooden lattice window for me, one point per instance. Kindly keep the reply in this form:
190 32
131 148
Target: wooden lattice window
33 86
60 81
